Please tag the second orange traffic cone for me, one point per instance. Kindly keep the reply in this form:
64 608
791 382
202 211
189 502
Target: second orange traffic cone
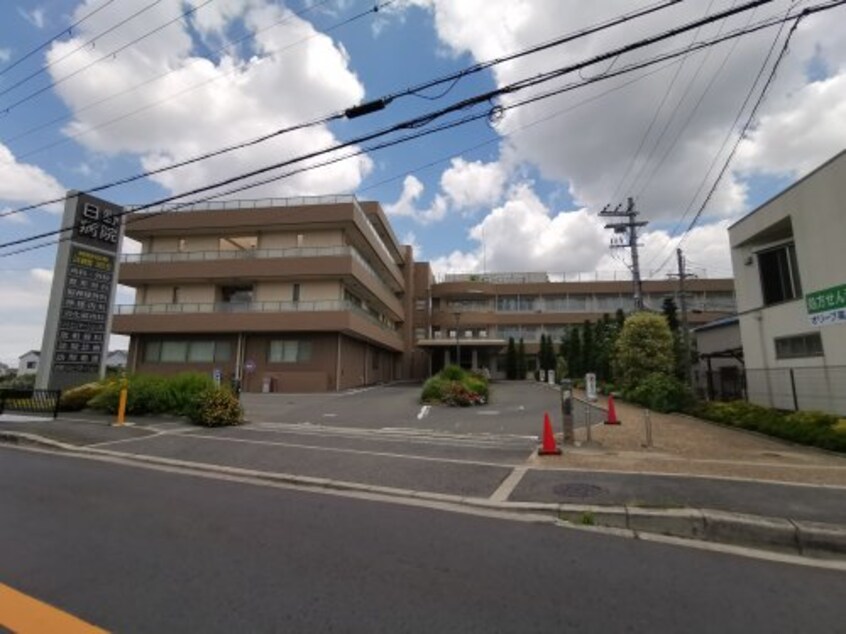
548 448
612 412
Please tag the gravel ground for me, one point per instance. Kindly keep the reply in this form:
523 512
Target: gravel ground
686 445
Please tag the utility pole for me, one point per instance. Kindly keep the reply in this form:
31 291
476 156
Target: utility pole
683 275
628 229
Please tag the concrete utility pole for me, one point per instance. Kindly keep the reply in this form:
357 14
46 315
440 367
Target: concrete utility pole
683 275
628 228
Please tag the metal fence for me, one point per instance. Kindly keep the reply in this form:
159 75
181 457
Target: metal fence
30 401
821 388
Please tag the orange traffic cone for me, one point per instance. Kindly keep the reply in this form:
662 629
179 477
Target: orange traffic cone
548 448
612 412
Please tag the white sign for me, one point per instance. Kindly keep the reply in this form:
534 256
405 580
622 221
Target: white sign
217 375
590 386
250 366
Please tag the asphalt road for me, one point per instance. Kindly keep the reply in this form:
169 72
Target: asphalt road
515 408
135 550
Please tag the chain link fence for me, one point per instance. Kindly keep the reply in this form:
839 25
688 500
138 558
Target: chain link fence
796 389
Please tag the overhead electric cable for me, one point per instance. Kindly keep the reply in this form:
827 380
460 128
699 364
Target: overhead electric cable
356 110
89 42
750 119
109 55
423 120
230 45
67 30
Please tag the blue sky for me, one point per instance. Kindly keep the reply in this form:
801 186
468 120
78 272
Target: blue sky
519 194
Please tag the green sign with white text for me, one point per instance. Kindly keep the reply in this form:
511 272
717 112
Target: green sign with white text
827 306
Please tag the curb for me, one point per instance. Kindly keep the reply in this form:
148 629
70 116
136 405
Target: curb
805 538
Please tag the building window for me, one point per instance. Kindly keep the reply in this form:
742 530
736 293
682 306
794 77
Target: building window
420 304
295 293
808 345
174 299
30 365
289 351
779 274
419 333
236 294
300 239
156 351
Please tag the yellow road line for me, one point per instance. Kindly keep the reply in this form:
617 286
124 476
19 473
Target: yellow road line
24 615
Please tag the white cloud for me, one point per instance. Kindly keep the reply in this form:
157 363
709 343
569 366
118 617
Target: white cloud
405 205
524 235
22 183
34 17
22 311
411 239
5 54
295 74
469 185
592 148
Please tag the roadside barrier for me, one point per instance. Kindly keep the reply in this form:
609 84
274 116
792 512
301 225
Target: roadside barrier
30 401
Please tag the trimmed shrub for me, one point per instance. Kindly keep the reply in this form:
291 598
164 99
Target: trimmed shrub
661 393
153 394
453 373
456 387
215 407
808 428
77 398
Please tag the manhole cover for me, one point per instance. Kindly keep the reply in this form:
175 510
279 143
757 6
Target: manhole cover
579 490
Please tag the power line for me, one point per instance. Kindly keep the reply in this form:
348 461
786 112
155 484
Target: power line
749 120
89 42
47 43
357 110
110 55
428 118
180 93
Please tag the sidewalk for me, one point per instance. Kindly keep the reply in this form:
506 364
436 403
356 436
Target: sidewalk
683 445
695 468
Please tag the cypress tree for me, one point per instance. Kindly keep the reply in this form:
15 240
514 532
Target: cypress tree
588 350
574 353
521 360
511 360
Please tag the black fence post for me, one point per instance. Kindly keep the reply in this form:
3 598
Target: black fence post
58 397
793 389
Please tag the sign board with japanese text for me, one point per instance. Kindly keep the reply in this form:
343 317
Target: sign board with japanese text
827 306
76 334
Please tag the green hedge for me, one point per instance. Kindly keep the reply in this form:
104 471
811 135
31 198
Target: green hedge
153 394
456 387
661 393
808 428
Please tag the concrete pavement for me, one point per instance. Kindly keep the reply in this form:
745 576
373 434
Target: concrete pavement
458 454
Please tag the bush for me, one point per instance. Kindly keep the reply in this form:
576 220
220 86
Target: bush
456 387
215 407
152 394
809 428
453 373
661 393
77 398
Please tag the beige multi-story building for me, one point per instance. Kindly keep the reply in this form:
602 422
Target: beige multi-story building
317 294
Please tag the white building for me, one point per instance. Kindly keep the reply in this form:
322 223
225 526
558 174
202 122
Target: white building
28 362
790 282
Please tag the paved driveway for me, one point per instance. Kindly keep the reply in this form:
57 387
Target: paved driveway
516 408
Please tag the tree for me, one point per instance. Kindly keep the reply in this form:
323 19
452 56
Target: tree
511 360
604 338
644 347
542 353
574 352
551 362
671 313
521 360
620 319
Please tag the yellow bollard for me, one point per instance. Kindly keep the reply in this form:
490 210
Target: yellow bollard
121 413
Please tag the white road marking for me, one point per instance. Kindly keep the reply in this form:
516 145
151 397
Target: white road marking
115 442
492 412
424 412
329 415
509 484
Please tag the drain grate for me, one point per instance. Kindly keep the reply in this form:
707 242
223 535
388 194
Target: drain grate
580 490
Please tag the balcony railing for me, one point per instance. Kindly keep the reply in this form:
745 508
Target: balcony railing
255 203
192 308
167 257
